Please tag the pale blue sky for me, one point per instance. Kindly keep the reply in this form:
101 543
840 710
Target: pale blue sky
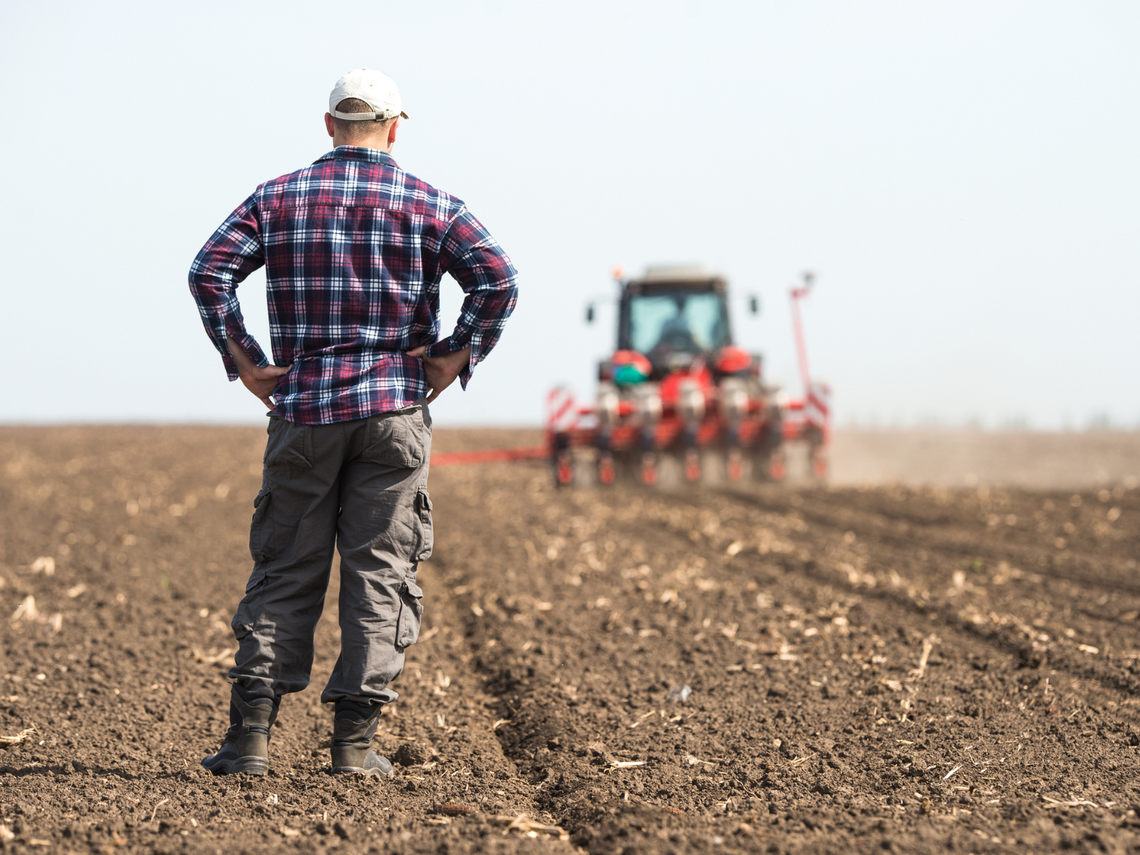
962 176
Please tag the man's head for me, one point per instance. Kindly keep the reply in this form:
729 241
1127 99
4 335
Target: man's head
364 110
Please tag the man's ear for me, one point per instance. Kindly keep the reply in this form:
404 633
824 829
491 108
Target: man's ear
392 131
329 123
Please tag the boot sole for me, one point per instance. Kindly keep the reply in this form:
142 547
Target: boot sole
240 766
368 773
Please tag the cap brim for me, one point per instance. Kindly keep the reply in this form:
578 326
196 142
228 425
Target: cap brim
365 117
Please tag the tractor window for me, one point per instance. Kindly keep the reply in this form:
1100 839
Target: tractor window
676 322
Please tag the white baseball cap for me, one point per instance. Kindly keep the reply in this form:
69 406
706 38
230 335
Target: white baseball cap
376 90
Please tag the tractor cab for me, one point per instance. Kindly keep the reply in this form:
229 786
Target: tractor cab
673 316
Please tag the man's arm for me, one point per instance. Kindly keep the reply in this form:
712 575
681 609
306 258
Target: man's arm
229 256
489 280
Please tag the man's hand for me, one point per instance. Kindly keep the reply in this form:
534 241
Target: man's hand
441 371
261 381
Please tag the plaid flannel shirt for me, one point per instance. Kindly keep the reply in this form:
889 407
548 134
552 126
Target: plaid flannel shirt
354 249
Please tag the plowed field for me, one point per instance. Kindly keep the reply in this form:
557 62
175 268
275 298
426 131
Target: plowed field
745 668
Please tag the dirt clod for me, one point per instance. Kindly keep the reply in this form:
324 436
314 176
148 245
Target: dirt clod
411 754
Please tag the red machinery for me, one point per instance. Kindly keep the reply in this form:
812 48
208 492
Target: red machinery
678 385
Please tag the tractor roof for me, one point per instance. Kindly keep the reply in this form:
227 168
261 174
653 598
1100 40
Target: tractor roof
679 277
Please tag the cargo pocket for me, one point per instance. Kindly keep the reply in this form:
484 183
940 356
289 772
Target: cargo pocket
395 439
426 533
249 608
411 611
261 528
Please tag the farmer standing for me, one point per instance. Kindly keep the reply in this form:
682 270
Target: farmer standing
354 249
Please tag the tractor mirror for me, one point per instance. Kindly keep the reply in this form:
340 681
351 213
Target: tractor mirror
754 304
590 313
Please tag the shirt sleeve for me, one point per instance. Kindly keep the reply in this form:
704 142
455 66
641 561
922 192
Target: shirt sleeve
229 256
490 282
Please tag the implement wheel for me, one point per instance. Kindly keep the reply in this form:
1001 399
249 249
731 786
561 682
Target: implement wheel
563 469
819 463
769 464
649 469
734 465
692 465
606 473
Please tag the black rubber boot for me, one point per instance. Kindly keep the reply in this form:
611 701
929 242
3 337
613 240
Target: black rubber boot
245 750
353 729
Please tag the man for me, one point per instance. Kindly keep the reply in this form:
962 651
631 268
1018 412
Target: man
354 249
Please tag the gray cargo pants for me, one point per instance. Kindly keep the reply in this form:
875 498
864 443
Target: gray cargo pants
361 485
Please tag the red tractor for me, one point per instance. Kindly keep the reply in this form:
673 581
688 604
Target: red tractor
677 386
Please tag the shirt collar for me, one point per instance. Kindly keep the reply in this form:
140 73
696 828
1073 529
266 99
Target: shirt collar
360 154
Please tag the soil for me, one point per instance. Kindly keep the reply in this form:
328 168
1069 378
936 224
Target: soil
751 667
